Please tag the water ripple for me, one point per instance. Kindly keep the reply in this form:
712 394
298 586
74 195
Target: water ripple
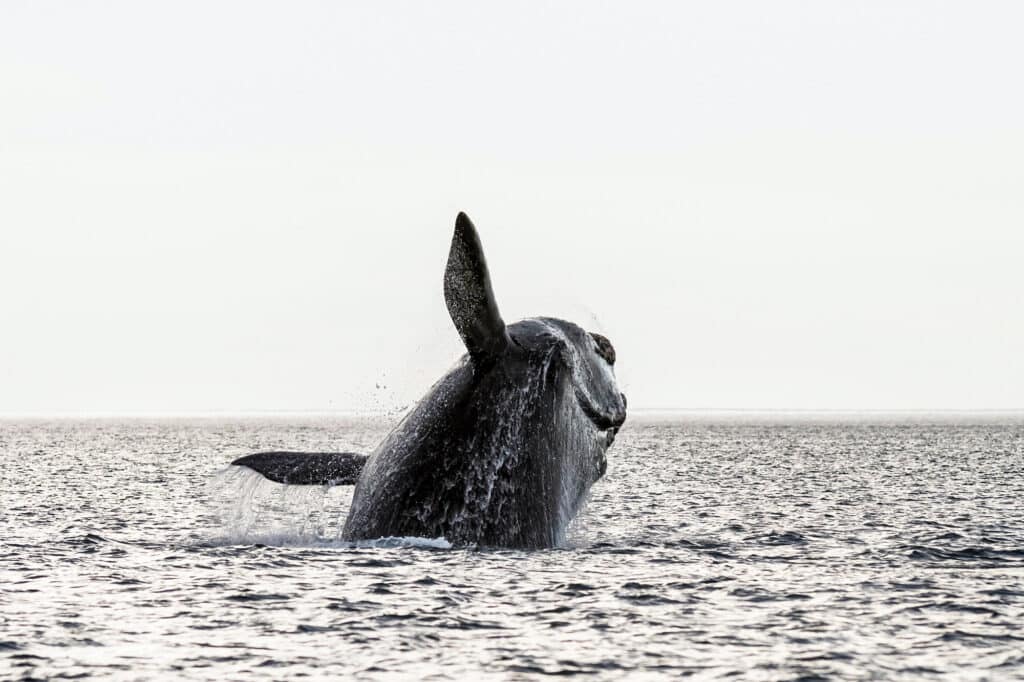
716 550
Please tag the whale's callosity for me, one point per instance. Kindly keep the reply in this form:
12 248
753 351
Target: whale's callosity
503 449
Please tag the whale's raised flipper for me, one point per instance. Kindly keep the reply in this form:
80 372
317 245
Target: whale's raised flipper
469 297
306 468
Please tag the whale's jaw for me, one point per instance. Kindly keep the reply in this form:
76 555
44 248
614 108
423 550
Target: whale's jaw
607 425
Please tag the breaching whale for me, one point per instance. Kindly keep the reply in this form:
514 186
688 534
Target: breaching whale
502 450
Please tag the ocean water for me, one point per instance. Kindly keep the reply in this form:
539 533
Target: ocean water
753 547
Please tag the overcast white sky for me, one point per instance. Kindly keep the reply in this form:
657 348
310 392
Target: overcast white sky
247 206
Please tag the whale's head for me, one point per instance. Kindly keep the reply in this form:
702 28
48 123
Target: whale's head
562 370
588 361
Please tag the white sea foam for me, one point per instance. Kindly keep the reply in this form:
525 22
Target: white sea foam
405 541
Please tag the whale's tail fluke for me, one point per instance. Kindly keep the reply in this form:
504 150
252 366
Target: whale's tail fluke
306 468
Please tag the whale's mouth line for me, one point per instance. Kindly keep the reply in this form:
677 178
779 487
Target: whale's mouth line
606 426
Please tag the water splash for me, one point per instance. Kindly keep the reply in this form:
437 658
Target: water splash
252 509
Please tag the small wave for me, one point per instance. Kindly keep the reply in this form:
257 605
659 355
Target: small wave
774 538
460 622
256 596
289 539
572 589
956 635
1004 593
964 608
990 554
758 594
86 540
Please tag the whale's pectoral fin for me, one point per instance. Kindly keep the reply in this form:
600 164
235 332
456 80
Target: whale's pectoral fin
468 295
306 468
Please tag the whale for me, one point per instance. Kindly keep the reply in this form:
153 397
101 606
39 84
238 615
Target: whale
502 450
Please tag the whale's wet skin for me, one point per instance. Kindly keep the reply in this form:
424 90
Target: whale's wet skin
766 550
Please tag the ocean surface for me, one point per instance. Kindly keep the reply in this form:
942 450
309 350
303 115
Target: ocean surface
749 547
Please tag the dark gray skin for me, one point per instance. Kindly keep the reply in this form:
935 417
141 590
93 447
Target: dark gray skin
502 451
306 468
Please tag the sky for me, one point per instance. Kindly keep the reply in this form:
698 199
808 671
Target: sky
247 206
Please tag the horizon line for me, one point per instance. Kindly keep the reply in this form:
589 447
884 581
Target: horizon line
379 414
